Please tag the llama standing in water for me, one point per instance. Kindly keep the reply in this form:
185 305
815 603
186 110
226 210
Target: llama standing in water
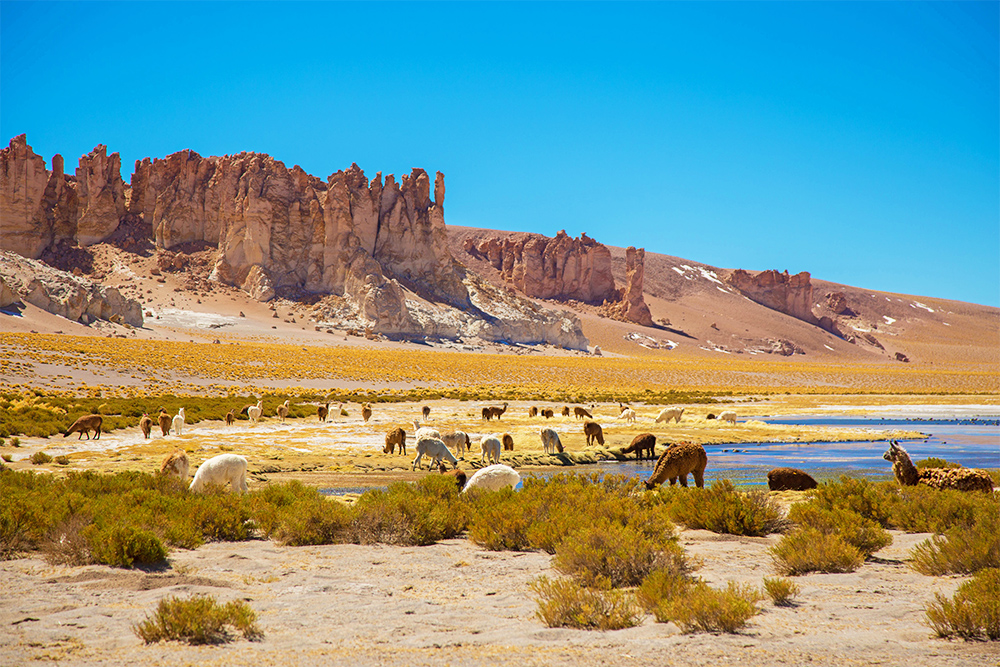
677 462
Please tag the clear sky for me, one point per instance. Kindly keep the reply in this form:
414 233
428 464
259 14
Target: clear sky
857 141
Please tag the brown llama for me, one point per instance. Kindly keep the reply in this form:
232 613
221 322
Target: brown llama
677 462
282 410
491 412
593 431
548 413
959 479
532 411
86 424
396 436
459 475
790 479
146 425
175 464
508 442
642 443
426 412
322 412
582 413
366 412
565 411
165 421
230 418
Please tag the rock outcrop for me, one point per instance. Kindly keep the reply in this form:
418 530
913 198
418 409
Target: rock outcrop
39 208
62 293
792 295
561 268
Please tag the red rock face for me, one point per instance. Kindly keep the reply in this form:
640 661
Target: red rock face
39 208
792 295
553 268
634 308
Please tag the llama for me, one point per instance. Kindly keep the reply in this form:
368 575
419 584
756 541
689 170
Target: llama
493 478
394 437
322 412
532 411
490 446
425 431
176 464
458 474
642 443
550 441
628 414
254 412
547 413
959 479
508 442
593 431
230 418
435 450
666 414
491 412
282 410
221 469
790 479
457 440
582 413
728 416
178 421
366 412
165 421
86 424
565 411
426 412
146 425
677 462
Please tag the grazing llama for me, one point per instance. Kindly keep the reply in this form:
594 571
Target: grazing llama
86 424
960 479
593 431
582 413
222 469
176 464
550 441
644 443
394 437
666 414
790 479
677 462
230 418
493 478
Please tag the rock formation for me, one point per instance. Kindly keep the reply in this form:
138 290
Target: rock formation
62 293
39 208
562 268
792 295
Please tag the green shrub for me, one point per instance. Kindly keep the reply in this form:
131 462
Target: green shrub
608 554
870 500
864 534
662 586
40 458
723 509
62 460
198 620
563 603
702 608
807 549
15 442
123 546
781 591
974 612
922 509
961 550
415 514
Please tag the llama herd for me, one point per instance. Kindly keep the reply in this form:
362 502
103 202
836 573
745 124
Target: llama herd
441 449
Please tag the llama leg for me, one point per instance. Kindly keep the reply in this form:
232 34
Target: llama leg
683 478
699 478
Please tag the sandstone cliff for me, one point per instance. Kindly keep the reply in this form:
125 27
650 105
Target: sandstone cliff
62 293
792 295
39 208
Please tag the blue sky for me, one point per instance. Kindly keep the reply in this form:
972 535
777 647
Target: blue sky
857 141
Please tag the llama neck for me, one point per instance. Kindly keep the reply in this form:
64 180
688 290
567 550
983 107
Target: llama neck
904 470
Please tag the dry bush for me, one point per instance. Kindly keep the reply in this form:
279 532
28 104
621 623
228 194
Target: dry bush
974 611
863 534
701 608
963 549
67 544
40 458
808 549
563 603
723 509
198 620
781 591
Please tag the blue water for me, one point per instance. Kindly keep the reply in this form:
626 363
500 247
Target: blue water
975 443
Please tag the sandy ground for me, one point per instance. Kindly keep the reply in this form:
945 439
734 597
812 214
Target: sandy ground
455 604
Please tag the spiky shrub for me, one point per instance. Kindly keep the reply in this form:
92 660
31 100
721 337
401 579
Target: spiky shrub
40 458
701 608
416 514
722 509
564 603
781 591
609 554
198 620
123 546
807 549
974 611
963 549
861 533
